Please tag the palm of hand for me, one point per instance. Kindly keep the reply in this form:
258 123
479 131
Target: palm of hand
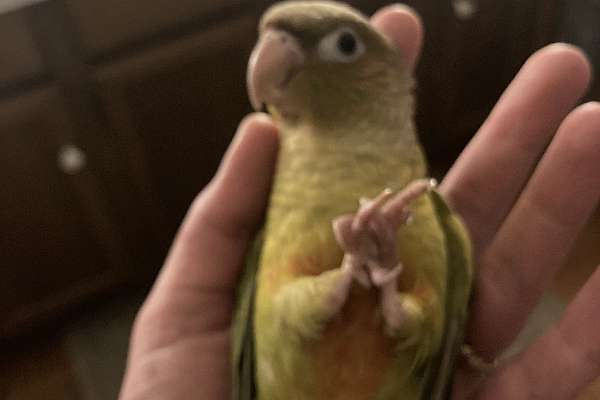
525 185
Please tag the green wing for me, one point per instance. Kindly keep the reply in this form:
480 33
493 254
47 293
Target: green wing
243 384
460 277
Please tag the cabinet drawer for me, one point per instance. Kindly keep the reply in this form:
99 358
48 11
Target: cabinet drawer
53 243
19 58
111 23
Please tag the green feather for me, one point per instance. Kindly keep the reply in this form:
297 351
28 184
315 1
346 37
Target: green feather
243 380
460 277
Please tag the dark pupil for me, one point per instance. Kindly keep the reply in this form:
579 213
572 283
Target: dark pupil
347 43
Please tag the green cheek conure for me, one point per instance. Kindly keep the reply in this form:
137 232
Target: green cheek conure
357 287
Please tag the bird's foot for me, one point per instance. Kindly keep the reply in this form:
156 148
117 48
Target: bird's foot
369 240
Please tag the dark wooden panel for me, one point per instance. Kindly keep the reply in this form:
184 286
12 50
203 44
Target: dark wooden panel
472 50
51 245
19 59
580 25
111 23
176 108
38 370
116 215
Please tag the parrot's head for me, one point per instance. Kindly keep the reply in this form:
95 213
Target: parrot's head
323 62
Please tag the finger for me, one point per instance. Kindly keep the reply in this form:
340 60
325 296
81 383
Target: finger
403 27
535 239
487 178
189 308
561 363
193 294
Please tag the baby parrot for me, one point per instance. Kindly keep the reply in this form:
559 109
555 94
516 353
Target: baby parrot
357 287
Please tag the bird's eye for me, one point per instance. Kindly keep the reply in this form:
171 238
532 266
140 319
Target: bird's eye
342 45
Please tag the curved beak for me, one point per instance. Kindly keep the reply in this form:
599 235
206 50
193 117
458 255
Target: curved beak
276 58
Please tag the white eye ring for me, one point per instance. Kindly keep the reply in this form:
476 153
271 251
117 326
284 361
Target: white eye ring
341 45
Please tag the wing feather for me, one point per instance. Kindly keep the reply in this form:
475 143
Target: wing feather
243 376
459 282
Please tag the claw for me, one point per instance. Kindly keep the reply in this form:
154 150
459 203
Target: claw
342 233
383 196
368 237
396 209
369 241
368 208
381 276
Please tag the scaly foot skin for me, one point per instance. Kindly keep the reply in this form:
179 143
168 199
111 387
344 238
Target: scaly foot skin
369 241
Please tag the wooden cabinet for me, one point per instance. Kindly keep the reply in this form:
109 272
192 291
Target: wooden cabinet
114 114
176 108
55 242
103 157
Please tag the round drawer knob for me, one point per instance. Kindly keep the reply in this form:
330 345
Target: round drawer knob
464 9
71 159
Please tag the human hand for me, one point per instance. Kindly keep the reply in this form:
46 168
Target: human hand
524 186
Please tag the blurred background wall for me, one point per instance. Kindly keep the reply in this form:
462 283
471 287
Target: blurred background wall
115 113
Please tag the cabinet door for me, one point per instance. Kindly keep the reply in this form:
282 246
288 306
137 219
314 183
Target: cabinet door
472 50
175 109
53 224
